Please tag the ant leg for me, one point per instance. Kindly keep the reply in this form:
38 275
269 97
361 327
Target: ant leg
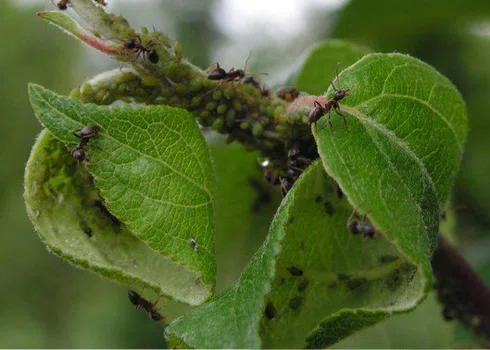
330 118
284 190
246 61
151 43
212 67
337 110
317 104
139 39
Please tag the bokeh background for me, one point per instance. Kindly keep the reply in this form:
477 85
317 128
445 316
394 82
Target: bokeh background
45 302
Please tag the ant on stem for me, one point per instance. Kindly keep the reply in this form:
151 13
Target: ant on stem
319 110
218 73
139 48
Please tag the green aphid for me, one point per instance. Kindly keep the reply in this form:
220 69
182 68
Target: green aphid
222 109
218 125
211 106
230 117
237 106
86 89
217 95
229 93
257 130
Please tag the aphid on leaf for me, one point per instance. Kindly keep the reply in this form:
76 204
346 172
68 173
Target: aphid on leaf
293 270
193 244
270 311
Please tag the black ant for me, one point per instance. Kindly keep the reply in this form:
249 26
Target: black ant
355 226
138 301
137 47
62 4
288 93
296 165
88 132
219 73
319 110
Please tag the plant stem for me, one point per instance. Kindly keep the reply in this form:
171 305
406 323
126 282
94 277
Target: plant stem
463 293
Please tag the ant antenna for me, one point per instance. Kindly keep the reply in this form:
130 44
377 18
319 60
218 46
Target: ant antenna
338 79
246 61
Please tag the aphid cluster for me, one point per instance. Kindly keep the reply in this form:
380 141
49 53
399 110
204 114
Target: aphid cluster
139 302
105 212
357 226
318 111
88 132
136 46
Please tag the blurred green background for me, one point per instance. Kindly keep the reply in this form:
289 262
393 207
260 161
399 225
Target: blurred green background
44 302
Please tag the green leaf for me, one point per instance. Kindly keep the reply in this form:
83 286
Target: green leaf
244 208
344 283
397 332
406 26
152 168
408 126
320 64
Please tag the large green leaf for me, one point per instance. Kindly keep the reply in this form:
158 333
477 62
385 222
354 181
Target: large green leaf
406 25
345 283
408 126
152 169
320 64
